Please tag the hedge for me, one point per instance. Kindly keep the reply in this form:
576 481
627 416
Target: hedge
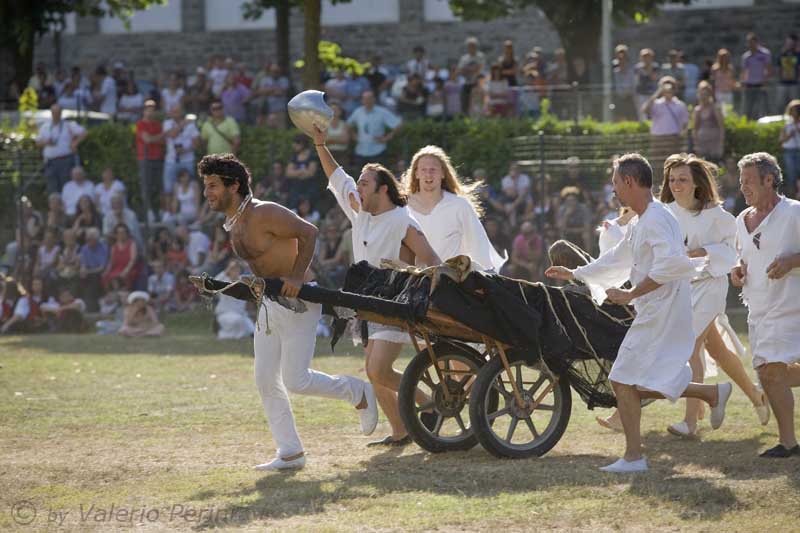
470 143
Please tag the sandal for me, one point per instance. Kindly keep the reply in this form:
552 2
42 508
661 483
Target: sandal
681 429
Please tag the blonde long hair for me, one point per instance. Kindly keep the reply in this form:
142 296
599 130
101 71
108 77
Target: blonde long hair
450 182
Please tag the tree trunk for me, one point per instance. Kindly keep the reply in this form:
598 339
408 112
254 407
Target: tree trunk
313 14
282 11
23 63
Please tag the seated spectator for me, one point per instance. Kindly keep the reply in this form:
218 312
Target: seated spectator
186 203
161 286
167 215
515 188
302 171
56 217
108 187
411 104
69 261
331 260
112 309
274 88
120 214
527 251
85 218
160 244
177 258
93 259
354 88
75 188
306 211
27 317
9 294
46 259
67 314
131 103
574 218
221 251
198 246
140 317
498 237
198 94
230 314
186 295
124 262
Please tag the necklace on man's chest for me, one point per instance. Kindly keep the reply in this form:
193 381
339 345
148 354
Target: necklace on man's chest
231 222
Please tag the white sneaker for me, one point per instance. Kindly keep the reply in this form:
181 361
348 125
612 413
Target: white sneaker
718 412
369 415
621 466
280 464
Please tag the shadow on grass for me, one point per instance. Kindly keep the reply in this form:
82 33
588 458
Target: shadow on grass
475 474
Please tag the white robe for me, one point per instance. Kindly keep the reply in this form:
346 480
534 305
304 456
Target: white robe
454 228
773 304
655 352
375 237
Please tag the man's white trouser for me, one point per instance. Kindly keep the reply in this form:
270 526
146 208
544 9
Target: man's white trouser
282 362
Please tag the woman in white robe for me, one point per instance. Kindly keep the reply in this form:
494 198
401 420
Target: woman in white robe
447 209
690 192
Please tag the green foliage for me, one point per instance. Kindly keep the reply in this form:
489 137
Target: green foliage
330 58
28 103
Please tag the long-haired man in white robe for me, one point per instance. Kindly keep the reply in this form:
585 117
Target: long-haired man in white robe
653 359
768 241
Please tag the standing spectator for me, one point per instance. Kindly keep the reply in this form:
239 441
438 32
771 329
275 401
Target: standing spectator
66 315
709 125
670 119
234 97
230 314
756 71
378 75
790 140
93 260
124 262
27 317
515 188
418 64
274 186
529 103
646 75
336 87
130 103
339 136
160 285
182 139
723 77
104 94
509 66
452 93
788 65
72 98
477 98
59 140
411 104
119 214
140 319
331 260
218 74
198 94
624 85
526 254
109 186
220 133
302 171
172 95
275 89
150 148
434 105
187 198
692 78
75 188
356 86
373 127
674 68
498 93
470 66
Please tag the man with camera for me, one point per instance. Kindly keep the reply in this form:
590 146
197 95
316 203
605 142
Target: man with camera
182 137
670 121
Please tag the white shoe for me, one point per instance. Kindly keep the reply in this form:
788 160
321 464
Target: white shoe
621 466
280 464
369 415
681 429
718 412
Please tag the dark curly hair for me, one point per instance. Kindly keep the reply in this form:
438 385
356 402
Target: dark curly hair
227 167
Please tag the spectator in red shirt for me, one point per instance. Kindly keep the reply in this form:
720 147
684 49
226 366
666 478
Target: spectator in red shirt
526 253
150 148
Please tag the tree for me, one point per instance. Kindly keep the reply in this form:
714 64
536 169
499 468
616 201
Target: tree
312 27
21 22
578 22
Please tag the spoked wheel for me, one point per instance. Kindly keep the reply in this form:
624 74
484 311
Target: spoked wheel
504 428
446 413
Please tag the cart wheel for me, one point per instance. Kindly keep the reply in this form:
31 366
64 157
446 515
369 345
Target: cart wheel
451 431
506 430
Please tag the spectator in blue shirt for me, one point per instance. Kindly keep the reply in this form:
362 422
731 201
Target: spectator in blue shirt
93 260
373 126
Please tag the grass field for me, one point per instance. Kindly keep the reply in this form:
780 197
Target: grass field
103 433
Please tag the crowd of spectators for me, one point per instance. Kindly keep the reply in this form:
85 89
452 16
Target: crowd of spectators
95 251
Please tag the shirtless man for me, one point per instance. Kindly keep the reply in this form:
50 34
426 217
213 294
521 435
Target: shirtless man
276 243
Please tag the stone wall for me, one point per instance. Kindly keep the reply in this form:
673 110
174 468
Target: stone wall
146 53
